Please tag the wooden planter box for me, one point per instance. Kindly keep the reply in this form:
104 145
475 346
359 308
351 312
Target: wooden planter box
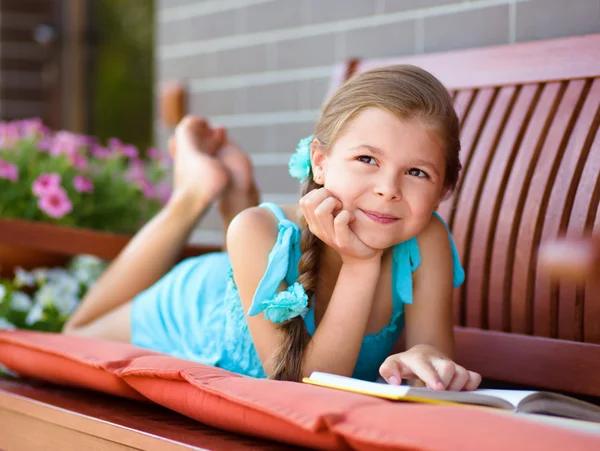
42 244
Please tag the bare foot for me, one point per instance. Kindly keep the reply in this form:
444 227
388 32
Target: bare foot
241 192
196 170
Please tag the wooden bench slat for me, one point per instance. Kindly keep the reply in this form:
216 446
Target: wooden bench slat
518 318
482 104
528 237
529 62
467 207
586 200
538 290
591 313
485 208
502 247
463 102
470 134
561 213
488 214
559 207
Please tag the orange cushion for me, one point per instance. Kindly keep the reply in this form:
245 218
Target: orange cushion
293 413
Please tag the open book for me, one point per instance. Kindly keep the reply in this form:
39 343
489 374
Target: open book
539 402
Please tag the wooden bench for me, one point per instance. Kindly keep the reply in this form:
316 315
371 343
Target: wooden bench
531 157
529 115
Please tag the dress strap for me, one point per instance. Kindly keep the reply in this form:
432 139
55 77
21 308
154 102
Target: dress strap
275 209
282 265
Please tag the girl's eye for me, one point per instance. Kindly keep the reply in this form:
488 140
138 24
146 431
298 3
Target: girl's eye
367 159
417 173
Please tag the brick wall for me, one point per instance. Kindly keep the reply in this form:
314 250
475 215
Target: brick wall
262 67
22 60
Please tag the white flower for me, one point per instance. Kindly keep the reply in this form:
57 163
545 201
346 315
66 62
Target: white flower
20 301
66 304
6 325
23 278
35 314
59 275
45 295
61 293
40 275
87 269
2 292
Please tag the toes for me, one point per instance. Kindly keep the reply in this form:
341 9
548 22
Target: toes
220 136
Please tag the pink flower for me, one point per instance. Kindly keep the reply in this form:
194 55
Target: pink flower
82 184
45 144
130 151
158 155
102 153
33 128
147 188
55 203
46 183
79 161
9 171
162 192
154 153
114 143
135 173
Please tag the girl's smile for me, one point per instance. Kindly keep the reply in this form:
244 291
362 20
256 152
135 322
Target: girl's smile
380 218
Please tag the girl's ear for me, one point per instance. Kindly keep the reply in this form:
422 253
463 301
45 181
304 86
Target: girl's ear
318 159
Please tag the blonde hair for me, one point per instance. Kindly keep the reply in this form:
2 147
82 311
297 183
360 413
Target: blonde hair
406 91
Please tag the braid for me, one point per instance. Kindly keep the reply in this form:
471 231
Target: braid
288 364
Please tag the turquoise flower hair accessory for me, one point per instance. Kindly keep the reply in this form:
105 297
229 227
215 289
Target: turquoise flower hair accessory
299 164
287 304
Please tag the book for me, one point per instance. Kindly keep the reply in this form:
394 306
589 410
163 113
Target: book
518 401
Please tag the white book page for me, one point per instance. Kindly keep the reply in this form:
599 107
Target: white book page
359 385
512 396
482 397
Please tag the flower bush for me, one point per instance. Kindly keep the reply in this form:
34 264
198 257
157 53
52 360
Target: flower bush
73 180
43 299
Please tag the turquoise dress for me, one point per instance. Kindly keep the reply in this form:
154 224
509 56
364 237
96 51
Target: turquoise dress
194 312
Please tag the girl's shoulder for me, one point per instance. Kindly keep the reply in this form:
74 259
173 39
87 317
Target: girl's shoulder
258 227
438 253
435 234
254 223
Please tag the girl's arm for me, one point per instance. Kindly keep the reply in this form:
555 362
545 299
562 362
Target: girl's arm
429 319
429 354
336 343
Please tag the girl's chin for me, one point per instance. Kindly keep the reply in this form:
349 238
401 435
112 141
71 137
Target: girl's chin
376 240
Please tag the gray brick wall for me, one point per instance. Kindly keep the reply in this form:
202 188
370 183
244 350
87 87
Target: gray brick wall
262 67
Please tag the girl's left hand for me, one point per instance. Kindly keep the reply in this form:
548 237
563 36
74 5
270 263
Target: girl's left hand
426 363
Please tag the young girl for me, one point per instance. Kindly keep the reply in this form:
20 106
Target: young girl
337 279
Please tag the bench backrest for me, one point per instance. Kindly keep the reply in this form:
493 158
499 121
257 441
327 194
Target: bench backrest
529 115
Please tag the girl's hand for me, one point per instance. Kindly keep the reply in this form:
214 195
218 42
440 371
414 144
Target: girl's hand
429 365
326 218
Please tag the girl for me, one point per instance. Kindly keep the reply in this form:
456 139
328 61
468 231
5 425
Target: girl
337 278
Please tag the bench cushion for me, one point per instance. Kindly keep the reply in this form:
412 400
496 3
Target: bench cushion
293 413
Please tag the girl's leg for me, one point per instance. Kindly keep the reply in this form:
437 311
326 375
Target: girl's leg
198 179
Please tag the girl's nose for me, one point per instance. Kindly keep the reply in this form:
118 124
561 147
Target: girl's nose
388 189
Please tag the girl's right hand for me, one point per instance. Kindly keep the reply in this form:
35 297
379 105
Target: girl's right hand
327 220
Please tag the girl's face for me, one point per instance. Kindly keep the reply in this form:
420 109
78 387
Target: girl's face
388 172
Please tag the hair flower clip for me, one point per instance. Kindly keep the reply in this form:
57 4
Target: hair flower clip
286 305
299 165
